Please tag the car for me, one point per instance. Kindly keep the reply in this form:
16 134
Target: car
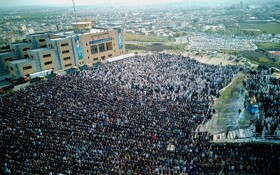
230 58
247 63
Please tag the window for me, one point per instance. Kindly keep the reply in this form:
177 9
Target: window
101 47
49 62
103 58
67 65
8 59
109 46
64 44
66 58
43 45
95 59
11 68
93 49
110 55
26 67
65 51
25 56
25 49
42 40
48 55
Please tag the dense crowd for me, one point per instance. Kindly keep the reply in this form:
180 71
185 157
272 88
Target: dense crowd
266 90
121 118
218 42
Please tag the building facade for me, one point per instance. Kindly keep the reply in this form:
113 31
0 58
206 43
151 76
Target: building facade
61 51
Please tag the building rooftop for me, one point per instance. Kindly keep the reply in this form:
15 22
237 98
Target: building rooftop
81 23
20 61
275 53
40 49
4 53
120 57
58 39
19 43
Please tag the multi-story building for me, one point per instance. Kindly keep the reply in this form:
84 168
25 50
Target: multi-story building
60 51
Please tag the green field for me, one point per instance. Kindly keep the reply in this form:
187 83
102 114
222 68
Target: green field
229 101
144 38
229 94
268 46
271 27
261 59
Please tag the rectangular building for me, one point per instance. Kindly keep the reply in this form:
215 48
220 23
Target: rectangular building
84 45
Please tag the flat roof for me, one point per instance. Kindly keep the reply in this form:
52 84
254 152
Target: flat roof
120 57
20 61
275 53
19 43
57 39
4 53
40 49
78 23
4 83
97 30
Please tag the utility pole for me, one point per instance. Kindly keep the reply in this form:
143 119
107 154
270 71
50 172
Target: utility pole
74 11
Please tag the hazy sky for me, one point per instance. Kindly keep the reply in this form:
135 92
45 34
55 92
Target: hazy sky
5 3
80 2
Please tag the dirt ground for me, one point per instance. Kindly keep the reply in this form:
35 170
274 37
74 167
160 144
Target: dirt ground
218 59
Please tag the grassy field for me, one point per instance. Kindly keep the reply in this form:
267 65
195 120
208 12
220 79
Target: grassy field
261 59
228 103
268 46
144 38
271 27
229 94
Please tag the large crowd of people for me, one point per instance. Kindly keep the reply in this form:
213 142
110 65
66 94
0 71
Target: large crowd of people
134 116
219 42
266 90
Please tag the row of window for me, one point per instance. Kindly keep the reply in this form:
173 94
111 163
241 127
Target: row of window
65 51
47 63
47 55
27 67
94 50
64 44
102 58
25 49
66 58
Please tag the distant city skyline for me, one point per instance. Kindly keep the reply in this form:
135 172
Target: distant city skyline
91 2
